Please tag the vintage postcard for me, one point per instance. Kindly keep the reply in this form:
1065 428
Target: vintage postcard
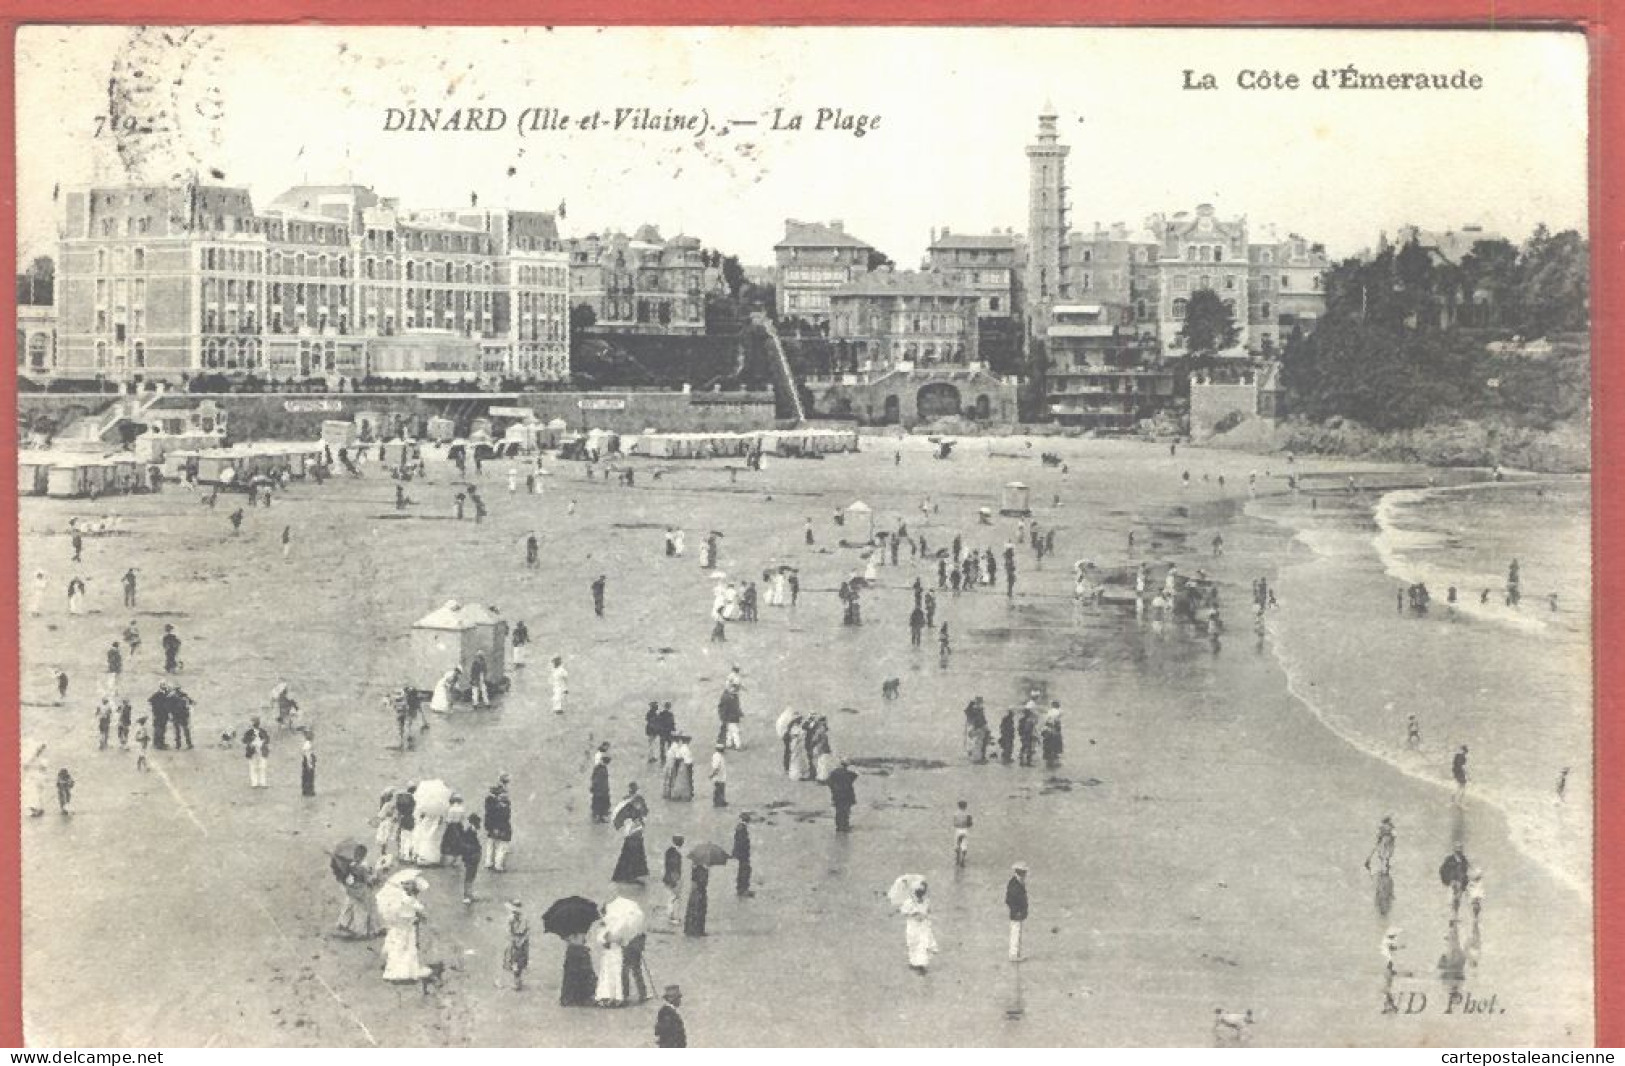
869 537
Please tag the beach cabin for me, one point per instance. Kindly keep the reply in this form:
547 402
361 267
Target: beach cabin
338 434
1016 500
33 476
452 635
480 429
860 523
217 468
79 475
441 430
123 474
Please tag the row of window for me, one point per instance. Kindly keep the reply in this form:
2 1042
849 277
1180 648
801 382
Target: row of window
122 259
912 351
120 290
852 325
817 274
544 277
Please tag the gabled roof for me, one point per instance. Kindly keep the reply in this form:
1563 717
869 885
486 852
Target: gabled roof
456 616
1003 242
817 235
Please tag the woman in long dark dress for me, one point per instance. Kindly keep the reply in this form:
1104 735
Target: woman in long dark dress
694 920
580 981
633 864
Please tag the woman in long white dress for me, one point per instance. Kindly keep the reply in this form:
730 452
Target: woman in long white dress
609 970
730 603
39 784
36 602
402 914
441 700
800 763
921 938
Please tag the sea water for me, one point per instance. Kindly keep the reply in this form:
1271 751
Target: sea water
1512 683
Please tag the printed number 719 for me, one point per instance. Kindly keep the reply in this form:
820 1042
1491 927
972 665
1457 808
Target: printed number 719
125 124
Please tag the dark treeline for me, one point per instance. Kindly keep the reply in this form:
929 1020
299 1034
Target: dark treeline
1406 338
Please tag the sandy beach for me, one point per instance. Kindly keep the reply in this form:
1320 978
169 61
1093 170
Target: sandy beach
1200 847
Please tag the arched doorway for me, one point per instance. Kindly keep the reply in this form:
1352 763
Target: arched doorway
938 400
983 409
893 411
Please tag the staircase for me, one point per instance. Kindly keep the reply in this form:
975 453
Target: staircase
786 376
103 427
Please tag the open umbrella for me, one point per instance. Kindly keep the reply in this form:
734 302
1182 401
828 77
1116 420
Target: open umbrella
570 916
394 904
781 725
624 919
632 807
342 857
708 854
433 798
345 848
902 889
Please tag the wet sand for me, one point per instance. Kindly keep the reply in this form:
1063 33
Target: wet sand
1200 846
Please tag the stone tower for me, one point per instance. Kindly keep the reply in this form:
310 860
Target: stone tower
1046 221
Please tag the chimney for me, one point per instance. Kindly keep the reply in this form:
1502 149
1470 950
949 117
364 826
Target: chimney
837 225
945 231
933 235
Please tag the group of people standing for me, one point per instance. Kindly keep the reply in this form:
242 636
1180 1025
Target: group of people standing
1022 733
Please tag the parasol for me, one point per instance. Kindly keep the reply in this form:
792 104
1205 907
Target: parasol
631 807
570 916
433 798
782 725
345 849
902 889
624 919
708 855
394 904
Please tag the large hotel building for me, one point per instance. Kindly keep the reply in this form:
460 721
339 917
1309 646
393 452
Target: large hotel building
327 281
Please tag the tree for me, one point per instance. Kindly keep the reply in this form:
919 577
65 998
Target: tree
733 275
582 317
878 259
1209 327
37 284
1554 279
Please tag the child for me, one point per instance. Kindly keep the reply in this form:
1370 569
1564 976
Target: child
962 825
61 685
1413 733
142 738
104 722
64 789
516 958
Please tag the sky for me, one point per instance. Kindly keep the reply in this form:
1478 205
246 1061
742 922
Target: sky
272 107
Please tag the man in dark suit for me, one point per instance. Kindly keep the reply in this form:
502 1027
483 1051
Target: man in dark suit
669 1029
1015 898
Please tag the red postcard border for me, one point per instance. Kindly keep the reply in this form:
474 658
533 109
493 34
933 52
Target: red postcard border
1596 20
